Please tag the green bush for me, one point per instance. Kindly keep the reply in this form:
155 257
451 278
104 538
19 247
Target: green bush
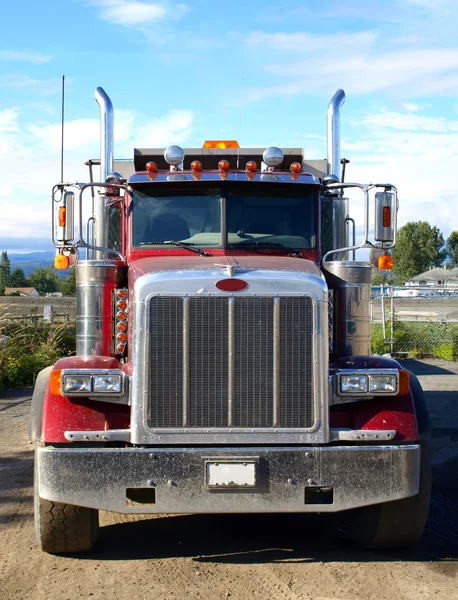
32 347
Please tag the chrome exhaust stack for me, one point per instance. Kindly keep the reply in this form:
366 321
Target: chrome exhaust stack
100 231
334 107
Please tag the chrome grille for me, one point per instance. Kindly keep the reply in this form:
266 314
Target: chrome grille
231 362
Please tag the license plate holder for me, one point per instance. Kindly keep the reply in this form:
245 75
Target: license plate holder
227 474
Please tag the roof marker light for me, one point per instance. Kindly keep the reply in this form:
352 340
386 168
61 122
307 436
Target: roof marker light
295 167
251 166
196 165
151 167
223 165
221 144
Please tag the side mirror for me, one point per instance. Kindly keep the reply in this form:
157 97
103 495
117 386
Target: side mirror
384 217
65 222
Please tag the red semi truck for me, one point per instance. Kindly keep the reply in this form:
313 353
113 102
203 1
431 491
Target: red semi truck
223 358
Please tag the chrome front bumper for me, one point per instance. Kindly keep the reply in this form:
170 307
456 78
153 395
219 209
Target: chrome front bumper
286 478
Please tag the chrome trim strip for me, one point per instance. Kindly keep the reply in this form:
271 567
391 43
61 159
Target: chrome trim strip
231 363
276 363
185 362
361 435
113 435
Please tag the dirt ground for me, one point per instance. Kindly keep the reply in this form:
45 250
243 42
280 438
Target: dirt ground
236 557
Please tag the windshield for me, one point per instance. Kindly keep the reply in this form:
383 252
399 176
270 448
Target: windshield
225 215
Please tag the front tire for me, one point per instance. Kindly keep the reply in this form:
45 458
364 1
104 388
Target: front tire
63 528
396 524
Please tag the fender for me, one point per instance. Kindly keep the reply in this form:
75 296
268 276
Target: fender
38 398
407 414
61 414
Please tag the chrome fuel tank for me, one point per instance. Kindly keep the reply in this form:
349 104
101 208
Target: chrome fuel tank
351 282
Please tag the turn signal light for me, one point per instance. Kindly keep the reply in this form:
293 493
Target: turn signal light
61 261
55 380
221 144
295 167
404 382
223 165
386 216
251 166
385 262
62 216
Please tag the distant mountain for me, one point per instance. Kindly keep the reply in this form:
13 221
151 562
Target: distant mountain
33 260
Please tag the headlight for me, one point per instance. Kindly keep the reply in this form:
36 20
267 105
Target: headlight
107 383
76 384
353 383
383 383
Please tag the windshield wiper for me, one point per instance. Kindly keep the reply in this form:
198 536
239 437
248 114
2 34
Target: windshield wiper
182 245
275 245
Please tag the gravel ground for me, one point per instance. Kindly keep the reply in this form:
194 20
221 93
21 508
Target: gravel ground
238 557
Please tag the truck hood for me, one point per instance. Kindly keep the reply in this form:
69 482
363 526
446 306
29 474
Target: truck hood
235 266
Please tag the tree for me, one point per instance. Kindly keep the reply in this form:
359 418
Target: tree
68 286
17 279
5 270
451 247
419 247
45 281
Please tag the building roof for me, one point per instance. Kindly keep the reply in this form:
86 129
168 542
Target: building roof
437 274
24 291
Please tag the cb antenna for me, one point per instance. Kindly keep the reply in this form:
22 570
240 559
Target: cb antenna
62 133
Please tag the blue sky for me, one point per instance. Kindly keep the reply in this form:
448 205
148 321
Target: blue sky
260 72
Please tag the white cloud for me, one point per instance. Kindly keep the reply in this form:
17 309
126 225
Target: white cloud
130 12
30 57
43 87
411 107
415 153
437 6
367 66
301 42
30 154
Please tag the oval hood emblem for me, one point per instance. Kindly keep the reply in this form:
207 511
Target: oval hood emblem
231 285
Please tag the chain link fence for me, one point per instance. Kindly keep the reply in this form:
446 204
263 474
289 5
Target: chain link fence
29 309
414 321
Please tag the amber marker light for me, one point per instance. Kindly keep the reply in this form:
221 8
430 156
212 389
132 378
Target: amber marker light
295 167
221 144
196 165
61 261
122 294
121 337
385 262
386 218
223 165
121 316
122 326
62 216
151 167
251 166
121 305
404 382
120 348
55 380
